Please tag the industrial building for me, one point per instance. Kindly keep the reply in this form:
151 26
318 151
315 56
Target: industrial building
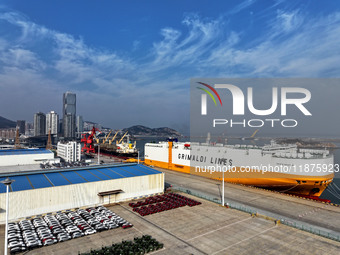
18 157
69 151
42 192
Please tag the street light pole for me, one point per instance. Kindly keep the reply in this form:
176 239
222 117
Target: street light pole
222 186
7 182
98 154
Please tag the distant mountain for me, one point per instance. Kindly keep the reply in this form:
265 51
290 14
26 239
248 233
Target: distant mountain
146 131
6 123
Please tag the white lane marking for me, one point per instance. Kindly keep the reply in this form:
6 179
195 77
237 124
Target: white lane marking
244 240
157 251
212 231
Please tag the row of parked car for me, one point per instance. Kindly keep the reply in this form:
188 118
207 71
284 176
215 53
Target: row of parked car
63 226
162 203
63 165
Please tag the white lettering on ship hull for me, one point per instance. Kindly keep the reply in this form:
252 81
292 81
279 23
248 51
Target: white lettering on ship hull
203 159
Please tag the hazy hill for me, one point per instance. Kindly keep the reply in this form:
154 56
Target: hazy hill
146 131
6 123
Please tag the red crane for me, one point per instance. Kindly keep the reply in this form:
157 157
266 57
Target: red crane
87 139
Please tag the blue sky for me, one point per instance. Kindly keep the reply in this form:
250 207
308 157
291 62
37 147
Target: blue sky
130 62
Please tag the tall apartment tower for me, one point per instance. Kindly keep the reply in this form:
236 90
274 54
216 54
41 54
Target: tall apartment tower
80 124
69 115
39 124
52 122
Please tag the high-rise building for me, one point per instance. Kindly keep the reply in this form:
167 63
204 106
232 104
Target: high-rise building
61 129
21 124
39 124
52 122
80 124
69 114
69 126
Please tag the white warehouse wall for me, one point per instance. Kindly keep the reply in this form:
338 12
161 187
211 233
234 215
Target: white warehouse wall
25 159
39 201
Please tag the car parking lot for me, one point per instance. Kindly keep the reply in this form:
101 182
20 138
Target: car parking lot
205 229
63 226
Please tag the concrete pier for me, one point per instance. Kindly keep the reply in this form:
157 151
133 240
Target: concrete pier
212 229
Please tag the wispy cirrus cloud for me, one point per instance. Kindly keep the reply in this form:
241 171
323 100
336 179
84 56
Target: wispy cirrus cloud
288 21
187 50
241 6
292 46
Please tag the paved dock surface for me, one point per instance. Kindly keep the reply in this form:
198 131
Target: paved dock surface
311 212
211 229
204 229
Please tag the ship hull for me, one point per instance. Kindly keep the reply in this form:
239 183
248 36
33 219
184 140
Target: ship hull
117 154
297 182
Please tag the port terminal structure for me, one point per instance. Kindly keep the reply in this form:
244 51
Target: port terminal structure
243 226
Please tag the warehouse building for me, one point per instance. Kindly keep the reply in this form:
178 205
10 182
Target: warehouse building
42 192
26 157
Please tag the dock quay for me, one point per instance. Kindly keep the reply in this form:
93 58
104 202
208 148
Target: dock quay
204 229
251 224
314 216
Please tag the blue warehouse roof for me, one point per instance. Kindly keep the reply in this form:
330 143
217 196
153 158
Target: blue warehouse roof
60 177
23 152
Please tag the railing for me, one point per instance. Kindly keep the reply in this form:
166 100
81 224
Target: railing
267 215
312 229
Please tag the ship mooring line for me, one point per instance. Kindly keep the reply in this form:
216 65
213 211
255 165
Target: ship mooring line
288 189
333 184
333 192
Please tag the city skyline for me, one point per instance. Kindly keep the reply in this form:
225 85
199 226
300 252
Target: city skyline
137 70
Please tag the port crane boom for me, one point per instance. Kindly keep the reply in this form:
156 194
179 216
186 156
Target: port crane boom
253 135
104 141
122 137
110 141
